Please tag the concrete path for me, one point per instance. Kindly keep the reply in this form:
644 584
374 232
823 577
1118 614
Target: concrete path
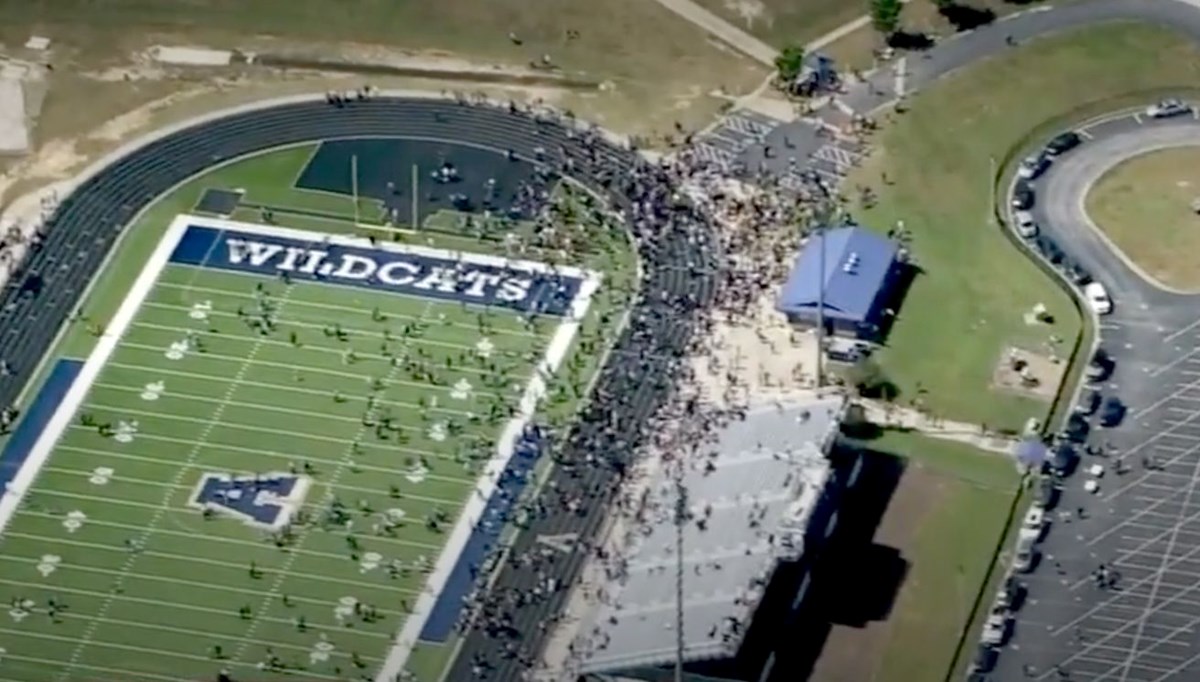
723 30
894 416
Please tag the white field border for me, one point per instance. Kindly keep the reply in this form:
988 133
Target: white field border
476 504
15 492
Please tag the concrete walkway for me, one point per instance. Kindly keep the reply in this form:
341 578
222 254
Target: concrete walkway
906 418
724 31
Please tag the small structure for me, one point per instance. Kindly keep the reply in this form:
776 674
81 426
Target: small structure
819 76
860 271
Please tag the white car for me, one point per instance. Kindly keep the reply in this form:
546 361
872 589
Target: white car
1097 298
1168 108
1025 225
1033 166
1034 524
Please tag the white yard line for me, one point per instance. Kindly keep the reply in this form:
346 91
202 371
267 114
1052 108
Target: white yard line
95 452
299 321
286 456
191 535
306 369
203 609
242 405
415 341
283 455
280 388
213 420
143 650
346 462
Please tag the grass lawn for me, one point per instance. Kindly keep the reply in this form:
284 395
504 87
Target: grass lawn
1145 206
950 548
633 45
786 22
968 304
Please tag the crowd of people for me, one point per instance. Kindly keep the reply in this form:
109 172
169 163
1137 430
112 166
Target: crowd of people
712 245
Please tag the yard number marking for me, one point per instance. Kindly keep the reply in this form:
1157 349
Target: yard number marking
101 475
345 608
485 347
125 431
177 350
370 562
417 474
320 651
19 611
437 432
461 390
48 564
74 521
153 390
201 310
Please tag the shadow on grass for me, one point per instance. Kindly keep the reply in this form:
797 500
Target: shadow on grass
856 580
966 17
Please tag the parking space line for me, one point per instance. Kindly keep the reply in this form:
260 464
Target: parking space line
1180 332
1147 410
1176 361
1177 669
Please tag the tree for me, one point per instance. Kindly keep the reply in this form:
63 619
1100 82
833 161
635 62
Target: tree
790 63
885 15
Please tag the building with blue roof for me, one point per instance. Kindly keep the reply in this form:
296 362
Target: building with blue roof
861 269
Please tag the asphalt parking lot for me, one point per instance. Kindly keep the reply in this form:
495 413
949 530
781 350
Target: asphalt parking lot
1141 528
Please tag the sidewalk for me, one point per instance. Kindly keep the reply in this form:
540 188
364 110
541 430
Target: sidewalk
726 32
907 418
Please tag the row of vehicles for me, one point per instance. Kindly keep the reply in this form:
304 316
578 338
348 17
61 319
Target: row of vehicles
1063 458
1031 168
1092 406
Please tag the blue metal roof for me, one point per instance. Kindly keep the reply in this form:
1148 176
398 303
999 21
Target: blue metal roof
857 262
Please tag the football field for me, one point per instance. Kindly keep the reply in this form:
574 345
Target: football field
275 457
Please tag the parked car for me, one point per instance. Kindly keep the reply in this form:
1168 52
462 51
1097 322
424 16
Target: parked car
984 660
1078 275
1033 166
1034 523
1025 225
1112 412
1168 108
1088 403
1077 429
1063 143
1011 594
1023 197
1063 460
1049 492
997 628
1097 298
1101 366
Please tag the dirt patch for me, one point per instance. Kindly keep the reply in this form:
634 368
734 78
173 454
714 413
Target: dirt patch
1028 373
853 654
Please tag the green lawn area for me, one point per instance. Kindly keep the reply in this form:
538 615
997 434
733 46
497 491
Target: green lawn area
940 156
950 549
1144 205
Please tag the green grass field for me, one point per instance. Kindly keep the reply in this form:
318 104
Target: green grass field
149 588
940 157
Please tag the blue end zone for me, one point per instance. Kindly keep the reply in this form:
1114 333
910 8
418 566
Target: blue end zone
21 443
404 273
483 539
